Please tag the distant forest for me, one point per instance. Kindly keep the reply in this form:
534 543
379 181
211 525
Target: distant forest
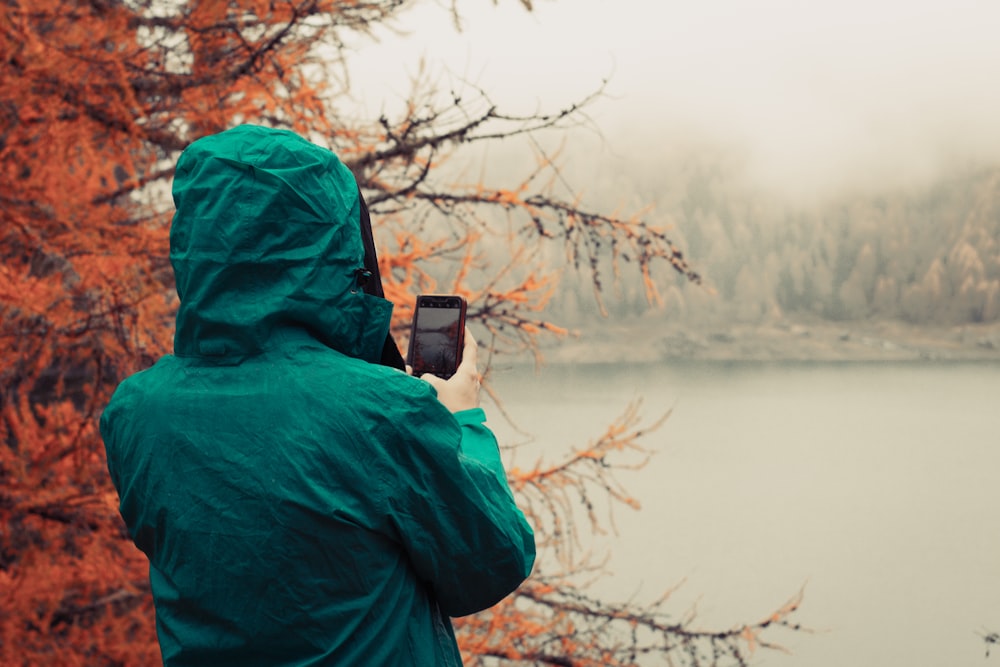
927 255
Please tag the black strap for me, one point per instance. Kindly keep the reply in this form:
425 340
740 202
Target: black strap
390 352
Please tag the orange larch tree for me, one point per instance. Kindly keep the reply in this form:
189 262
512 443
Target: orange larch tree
97 98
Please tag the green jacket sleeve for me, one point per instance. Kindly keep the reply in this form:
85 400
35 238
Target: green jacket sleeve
479 445
456 515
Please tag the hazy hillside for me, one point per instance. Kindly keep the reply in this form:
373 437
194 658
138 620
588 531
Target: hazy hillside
892 268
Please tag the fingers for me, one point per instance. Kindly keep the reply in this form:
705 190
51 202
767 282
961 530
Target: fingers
461 390
433 380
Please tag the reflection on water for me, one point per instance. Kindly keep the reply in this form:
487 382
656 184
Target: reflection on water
877 486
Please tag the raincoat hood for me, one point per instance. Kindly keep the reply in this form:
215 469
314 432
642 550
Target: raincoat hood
266 249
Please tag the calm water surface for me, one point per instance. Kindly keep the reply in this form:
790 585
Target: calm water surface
874 486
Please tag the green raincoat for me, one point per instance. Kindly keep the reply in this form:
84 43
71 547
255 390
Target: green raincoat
299 504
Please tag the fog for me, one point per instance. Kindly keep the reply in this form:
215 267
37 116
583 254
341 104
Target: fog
808 98
810 101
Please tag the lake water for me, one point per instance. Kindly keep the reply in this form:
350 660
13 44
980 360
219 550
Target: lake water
874 486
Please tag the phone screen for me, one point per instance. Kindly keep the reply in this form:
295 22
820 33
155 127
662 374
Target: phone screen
438 335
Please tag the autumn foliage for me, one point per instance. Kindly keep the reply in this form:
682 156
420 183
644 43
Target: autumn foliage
97 98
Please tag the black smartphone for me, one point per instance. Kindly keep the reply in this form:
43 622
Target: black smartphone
438 335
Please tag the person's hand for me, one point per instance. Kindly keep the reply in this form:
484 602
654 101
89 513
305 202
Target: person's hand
461 390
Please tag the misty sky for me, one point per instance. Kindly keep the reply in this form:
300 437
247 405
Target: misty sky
813 96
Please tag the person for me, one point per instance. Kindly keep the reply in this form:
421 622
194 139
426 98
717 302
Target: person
301 500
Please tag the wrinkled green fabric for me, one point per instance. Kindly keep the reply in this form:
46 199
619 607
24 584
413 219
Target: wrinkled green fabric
299 505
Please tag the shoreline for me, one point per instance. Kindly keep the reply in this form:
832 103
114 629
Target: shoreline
643 341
